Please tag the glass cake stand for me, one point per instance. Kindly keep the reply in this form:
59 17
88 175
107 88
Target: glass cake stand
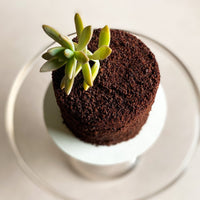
156 170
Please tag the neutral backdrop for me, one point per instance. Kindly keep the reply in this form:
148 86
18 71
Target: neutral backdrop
175 23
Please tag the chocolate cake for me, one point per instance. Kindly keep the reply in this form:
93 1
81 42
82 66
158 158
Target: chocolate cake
118 104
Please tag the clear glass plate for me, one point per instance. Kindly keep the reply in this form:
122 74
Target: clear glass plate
157 169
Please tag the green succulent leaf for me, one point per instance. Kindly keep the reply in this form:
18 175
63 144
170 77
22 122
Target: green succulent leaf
46 56
52 64
78 68
94 70
78 24
89 53
70 68
68 85
62 83
67 42
85 37
59 55
81 57
68 53
53 33
55 50
87 74
75 45
101 53
104 37
85 86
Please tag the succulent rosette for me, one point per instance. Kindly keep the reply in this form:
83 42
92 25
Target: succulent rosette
74 56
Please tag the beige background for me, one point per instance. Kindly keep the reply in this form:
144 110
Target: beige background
175 23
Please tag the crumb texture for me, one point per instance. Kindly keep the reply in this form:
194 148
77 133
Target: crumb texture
118 104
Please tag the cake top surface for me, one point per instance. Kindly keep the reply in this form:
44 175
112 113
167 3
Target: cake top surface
126 84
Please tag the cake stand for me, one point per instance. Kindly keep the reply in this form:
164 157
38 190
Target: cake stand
43 159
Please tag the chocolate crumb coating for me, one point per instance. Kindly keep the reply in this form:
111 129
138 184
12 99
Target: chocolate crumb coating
118 104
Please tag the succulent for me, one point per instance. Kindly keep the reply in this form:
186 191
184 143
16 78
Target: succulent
75 56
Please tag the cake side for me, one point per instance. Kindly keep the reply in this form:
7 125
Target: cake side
117 105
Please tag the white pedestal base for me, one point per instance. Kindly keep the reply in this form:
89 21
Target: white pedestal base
104 161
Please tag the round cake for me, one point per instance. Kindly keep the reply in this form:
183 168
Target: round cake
116 107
